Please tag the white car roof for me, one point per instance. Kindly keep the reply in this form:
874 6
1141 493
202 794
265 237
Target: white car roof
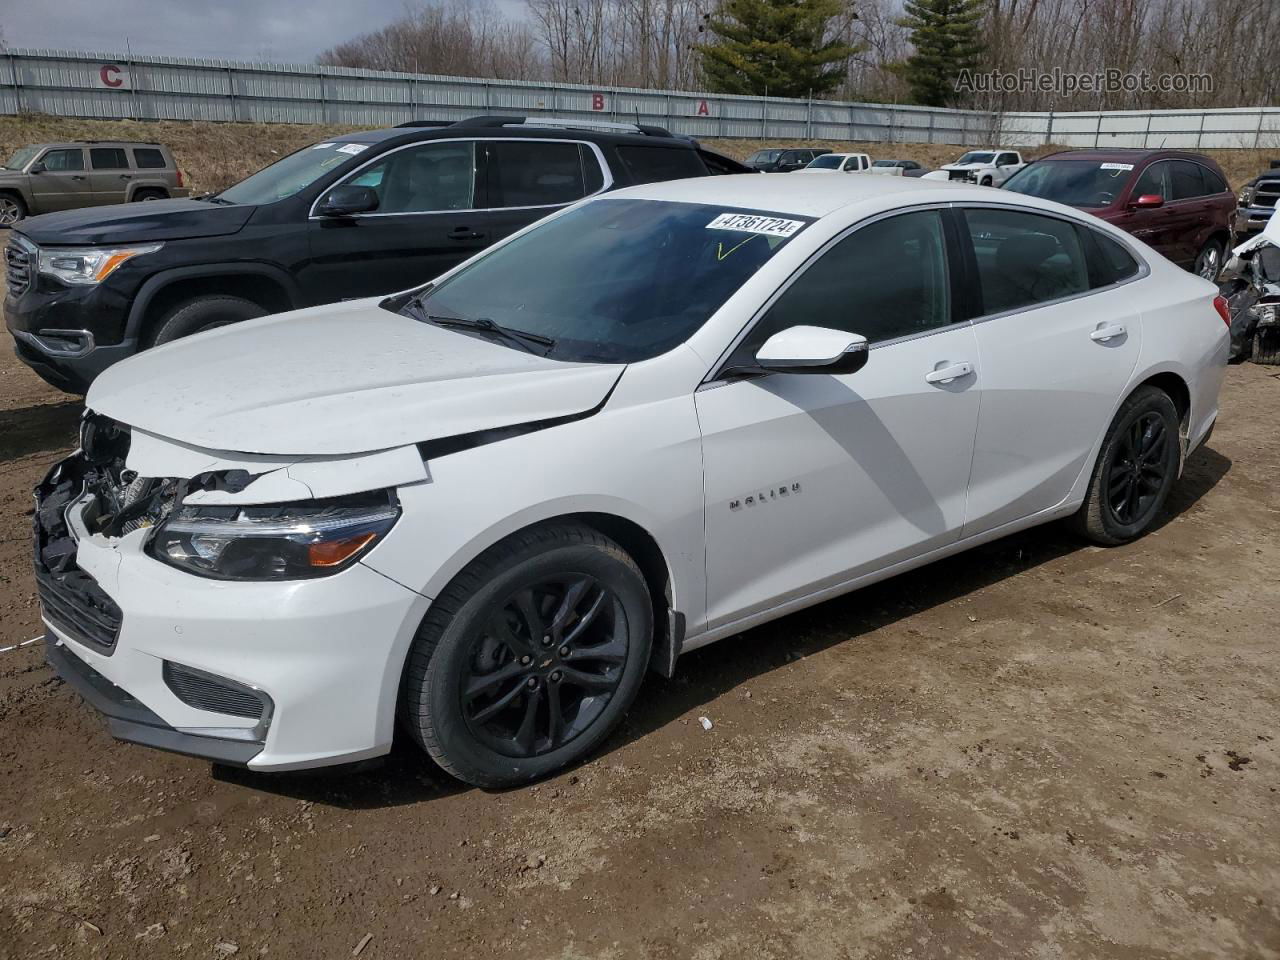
804 194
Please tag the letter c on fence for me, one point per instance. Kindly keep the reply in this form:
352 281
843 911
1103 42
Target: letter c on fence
110 76
597 101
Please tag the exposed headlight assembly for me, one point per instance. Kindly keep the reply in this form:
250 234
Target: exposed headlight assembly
1246 195
277 542
88 265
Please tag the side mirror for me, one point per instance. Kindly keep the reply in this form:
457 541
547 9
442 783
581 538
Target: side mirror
38 167
347 199
813 350
1148 201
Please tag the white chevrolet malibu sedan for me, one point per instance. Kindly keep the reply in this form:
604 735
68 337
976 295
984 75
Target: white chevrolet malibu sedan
486 508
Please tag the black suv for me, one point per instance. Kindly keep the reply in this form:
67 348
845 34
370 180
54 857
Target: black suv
363 214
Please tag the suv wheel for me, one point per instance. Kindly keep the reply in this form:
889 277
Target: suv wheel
150 193
203 313
1266 347
530 657
1209 260
12 209
1136 469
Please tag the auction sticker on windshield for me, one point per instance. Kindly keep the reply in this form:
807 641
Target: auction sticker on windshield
1116 166
753 223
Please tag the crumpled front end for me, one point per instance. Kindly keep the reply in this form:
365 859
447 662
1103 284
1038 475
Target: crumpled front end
276 674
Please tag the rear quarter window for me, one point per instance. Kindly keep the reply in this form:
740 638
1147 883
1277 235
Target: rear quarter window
149 158
654 164
1109 260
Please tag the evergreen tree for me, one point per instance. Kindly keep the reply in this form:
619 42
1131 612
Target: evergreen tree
946 36
782 47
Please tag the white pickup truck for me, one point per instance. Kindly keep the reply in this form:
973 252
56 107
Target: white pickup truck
990 168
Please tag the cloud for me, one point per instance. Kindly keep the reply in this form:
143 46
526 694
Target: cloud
288 31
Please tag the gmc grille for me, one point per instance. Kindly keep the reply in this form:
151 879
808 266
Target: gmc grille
18 263
1266 194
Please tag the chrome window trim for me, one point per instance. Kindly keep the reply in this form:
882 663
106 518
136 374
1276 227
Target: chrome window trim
1144 269
712 377
595 149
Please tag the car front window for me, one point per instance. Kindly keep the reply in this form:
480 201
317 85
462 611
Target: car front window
21 158
615 281
1076 183
287 176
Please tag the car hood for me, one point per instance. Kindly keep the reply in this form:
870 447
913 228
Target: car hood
342 379
963 166
137 223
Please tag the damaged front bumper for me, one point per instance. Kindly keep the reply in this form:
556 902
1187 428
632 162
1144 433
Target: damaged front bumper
273 675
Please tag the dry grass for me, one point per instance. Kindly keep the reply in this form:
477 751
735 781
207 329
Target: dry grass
216 155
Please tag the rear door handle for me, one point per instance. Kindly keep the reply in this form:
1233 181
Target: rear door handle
949 373
77 177
1107 332
125 176
464 233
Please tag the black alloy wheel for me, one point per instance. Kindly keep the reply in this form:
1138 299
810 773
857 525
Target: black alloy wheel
545 665
1138 469
530 656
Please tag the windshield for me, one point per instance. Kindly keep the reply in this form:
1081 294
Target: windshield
286 177
828 161
977 158
615 281
21 158
764 156
1076 183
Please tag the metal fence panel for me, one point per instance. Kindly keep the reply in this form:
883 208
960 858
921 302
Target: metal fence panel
114 85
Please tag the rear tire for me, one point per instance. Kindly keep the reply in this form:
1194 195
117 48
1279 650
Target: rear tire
529 657
1266 347
12 209
1136 469
150 193
201 314
1209 260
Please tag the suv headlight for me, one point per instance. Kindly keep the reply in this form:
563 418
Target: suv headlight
87 265
276 542
1246 195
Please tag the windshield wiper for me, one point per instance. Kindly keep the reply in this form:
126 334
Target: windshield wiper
214 198
523 337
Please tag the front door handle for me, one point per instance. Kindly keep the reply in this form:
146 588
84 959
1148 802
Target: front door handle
1107 332
77 177
464 233
949 373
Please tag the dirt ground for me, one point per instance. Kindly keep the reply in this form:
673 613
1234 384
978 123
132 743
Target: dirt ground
1038 749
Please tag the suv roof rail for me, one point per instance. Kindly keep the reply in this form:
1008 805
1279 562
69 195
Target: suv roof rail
131 143
567 123
425 123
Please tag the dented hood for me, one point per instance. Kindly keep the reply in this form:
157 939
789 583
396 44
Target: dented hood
346 378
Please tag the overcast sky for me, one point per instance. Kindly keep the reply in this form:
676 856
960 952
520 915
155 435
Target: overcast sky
289 31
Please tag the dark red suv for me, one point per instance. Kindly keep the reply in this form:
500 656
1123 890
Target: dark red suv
1179 203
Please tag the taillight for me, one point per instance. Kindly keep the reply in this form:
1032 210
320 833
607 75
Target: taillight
181 183
1220 304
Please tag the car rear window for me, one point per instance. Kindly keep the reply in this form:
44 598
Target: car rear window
1186 181
653 164
148 158
108 158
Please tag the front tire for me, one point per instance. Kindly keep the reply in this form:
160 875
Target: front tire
1209 260
12 209
1136 469
986 181
530 657
201 314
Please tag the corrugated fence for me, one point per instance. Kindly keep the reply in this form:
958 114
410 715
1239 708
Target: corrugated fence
111 86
